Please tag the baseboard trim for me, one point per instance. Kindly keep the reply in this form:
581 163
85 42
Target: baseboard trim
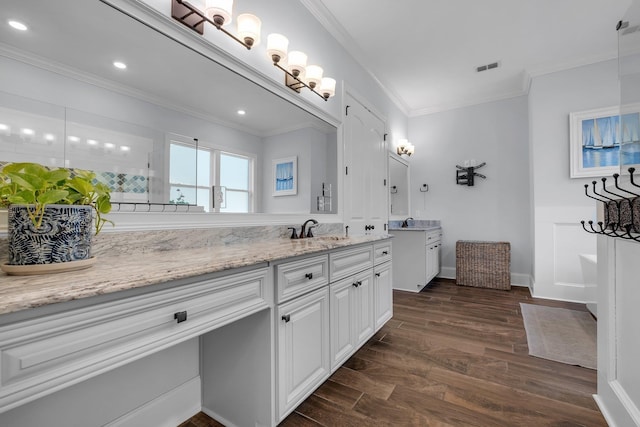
604 411
167 410
517 279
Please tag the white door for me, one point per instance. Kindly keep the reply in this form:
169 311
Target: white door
365 197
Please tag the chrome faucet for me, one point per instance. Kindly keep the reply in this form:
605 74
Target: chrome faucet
405 223
304 226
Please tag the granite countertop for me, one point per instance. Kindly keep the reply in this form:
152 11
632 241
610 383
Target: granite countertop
123 272
415 225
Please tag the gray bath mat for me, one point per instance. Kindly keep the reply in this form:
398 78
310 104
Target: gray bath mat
560 334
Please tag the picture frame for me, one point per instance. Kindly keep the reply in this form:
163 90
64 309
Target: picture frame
594 142
285 176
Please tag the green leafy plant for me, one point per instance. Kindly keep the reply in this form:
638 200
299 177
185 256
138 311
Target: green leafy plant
37 186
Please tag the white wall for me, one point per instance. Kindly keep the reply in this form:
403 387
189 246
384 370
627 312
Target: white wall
559 202
494 209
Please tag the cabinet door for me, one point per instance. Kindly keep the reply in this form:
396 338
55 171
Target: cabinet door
303 348
363 307
365 161
342 295
383 293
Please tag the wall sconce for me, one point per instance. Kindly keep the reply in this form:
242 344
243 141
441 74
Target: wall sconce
297 73
405 147
218 13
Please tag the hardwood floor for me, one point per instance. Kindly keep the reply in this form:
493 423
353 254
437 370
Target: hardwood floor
453 356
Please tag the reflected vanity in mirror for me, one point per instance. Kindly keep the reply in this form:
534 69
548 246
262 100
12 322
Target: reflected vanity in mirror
172 128
398 186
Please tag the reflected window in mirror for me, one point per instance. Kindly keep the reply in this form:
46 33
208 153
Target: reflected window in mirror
235 178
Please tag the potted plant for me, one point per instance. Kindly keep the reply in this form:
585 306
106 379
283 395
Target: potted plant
51 215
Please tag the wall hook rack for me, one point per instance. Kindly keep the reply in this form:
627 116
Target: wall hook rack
621 211
465 174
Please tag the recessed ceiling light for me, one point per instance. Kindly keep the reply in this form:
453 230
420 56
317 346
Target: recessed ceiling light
119 65
241 112
18 25
27 131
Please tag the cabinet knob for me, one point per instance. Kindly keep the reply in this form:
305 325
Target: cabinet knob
180 316
309 276
286 318
377 274
385 252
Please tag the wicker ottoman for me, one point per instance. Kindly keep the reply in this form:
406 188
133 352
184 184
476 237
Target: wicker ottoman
483 264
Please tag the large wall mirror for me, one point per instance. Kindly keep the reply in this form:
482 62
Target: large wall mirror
398 186
164 131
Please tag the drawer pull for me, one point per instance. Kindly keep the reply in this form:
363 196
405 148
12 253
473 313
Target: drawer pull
180 316
286 318
309 276
377 274
385 252
357 284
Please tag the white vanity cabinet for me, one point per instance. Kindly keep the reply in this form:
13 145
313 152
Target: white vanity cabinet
417 258
48 353
382 283
352 315
303 348
302 323
352 301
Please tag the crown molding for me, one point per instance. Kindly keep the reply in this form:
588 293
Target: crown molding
331 24
467 103
574 63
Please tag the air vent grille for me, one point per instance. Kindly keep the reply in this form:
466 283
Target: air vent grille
488 67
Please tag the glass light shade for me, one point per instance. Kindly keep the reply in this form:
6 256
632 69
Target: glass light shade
297 62
277 46
328 87
410 149
221 8
249 29
313 75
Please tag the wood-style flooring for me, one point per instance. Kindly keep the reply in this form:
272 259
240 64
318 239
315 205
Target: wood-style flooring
452 356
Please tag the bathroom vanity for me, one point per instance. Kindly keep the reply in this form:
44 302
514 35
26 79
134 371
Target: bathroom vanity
417 255
258 325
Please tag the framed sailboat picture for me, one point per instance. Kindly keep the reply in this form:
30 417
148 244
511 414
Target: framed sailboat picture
285 176
595 138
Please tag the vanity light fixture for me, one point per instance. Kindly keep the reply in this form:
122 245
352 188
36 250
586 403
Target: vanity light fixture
405 147
297 73
219 14
74 139
28 131
49 137
18 25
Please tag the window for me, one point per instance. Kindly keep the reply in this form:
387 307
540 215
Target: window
195 172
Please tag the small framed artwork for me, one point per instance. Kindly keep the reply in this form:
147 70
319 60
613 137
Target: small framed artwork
285 176
595 138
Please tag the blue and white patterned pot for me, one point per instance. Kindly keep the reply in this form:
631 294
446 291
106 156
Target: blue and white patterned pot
65 235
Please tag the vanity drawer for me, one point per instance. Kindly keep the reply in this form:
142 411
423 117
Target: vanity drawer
433 236
350 261
382 252
43 355
295 278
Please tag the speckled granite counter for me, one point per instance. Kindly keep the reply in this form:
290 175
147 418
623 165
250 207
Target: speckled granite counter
415 225
118 273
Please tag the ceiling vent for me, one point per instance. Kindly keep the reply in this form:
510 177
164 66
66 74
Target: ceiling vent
488 67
